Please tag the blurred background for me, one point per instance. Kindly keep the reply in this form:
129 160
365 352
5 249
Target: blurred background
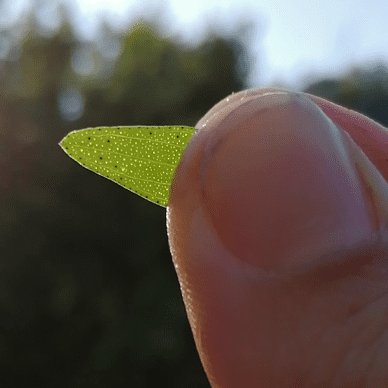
88 292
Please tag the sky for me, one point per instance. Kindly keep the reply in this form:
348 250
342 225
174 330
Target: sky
289 41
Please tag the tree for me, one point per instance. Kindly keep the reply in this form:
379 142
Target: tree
89 293
364 90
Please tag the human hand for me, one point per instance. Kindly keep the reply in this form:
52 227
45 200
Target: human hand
277 228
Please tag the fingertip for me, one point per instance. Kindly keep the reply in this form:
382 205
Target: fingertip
278 182
265 188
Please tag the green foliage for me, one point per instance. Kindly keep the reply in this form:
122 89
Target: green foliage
141 159
90 296
365 91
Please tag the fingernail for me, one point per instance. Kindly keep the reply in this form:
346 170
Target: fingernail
279 185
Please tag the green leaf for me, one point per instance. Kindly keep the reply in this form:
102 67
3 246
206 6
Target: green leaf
141 159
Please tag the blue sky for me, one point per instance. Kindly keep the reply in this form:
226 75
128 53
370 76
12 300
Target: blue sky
290 40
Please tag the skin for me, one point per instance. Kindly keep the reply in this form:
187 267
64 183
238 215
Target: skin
277 228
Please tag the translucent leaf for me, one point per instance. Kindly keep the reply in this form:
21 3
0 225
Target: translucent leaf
141 159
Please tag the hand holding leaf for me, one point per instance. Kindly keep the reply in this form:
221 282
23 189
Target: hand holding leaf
277 225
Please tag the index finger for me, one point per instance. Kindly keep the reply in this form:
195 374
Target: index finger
369 135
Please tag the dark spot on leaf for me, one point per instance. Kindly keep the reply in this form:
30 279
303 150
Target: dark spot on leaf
89 138
108 141
100 157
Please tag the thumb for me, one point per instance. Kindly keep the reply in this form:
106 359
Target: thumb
268 188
